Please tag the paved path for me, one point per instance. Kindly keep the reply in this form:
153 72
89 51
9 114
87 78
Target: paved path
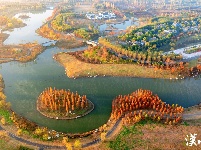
192 116
196 115
44 146
187 56
40 146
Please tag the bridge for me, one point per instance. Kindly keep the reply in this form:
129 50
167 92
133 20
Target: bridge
93 43
50 7
49 43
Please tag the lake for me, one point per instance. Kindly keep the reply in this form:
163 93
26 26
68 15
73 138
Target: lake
25 81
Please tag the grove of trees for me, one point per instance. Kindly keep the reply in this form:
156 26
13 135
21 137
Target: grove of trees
142 104
10 23
63 103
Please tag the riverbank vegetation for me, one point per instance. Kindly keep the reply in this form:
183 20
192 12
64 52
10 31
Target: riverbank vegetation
150 106
10 23
21 52
62 25
63 104
4 106
49 33
143 45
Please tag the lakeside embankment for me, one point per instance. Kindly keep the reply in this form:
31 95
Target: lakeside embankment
75 68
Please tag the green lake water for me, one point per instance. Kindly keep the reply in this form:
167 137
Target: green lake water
25 81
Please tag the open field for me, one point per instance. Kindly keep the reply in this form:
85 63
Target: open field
154 136
75 68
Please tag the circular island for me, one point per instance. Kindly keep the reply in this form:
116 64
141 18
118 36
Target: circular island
63 104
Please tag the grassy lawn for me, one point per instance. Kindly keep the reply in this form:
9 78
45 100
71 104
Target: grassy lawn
150 135
7 143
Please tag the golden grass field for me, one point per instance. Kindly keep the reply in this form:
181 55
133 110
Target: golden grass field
75 68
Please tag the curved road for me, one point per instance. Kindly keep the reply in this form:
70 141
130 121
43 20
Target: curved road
44 146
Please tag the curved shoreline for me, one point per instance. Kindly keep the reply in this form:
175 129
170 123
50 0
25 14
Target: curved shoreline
64 118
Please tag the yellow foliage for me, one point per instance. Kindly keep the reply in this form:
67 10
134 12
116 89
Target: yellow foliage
77 144
103 136
2 103
38 131
19 132
65 140
69 146
10 25
45 136
2 96
3 134
3 121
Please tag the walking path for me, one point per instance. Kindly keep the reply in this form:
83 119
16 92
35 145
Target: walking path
44 146
192 113
187 56
186 116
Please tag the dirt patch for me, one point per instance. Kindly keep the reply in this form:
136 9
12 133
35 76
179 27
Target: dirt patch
157 136
69 43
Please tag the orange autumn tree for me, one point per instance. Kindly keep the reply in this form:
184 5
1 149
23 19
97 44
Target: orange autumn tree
62 102
141 104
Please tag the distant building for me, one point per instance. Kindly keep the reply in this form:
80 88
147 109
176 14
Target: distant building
103 15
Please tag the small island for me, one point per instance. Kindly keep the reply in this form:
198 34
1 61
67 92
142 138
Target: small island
24 17
63 104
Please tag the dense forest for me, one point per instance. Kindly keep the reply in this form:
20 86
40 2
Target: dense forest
143 104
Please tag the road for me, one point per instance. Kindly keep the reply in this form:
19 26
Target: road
44 146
